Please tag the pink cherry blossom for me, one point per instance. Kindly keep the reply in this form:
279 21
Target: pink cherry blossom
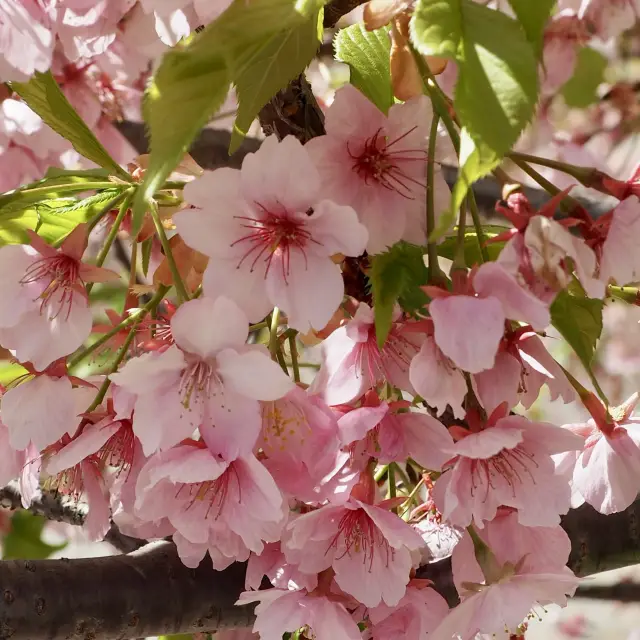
11 461
353 362
609 18
271 235
415 616
606 473
299 439
213 504
377 165
49 317
506 463
27 37
280 611
619 260
500 607
208 380
44 407
273 564
367 546
438 381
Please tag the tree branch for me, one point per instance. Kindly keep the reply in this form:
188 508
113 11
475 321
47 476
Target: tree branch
150 592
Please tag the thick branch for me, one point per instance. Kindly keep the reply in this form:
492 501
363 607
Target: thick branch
146 593
150 592
55 506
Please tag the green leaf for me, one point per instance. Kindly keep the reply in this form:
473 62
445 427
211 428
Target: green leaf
579 320
533 16
367 54
192 82
497 86
9 371
24 539
53 218
396 276
267 66
45 97
581 89
447 248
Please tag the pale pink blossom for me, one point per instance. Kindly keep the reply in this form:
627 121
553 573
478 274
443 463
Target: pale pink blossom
367 546
438 381
377 165
619 260
500 607
44 407
282 575
208 380
609 18
27 37
280 611
299 439
506 463
270 235
606 473
415 616
11 461
537 549
49 316
213 504
353 363
390 435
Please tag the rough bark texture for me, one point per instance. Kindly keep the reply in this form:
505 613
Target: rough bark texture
146 593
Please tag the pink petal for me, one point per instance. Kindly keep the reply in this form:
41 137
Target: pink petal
351 114
468 330
151 371
203 326
97 522
427 439
488 442
619 258
499 384
337 229
355 424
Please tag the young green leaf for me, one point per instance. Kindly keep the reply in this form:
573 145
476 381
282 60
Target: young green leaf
472 255
265 67
45 97
533 16
367 54
581 89
579 320
437 28
396 276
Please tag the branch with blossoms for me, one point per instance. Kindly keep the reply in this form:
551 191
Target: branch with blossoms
311 498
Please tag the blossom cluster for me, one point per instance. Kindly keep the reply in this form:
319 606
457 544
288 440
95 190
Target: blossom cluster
203 434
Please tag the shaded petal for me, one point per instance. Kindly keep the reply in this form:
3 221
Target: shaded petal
337 229
151 371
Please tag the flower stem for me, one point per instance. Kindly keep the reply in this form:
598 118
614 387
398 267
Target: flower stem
391 479
181 290
581 174
436 275
475 216
294 357
381 473
459 260
140 313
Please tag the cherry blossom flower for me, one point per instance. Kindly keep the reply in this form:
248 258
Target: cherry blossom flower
606 471
500 607
438 381
299 439
619 261
367 546
280 611
609 18
213 504
506 463
11 460
41 407
415 616
271 235
282 575
49 317
27 34
208 380
353 362
377 165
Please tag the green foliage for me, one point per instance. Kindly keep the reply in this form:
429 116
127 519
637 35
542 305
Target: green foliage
472 255
579 321
45 97
533 17
193 78
9 371
396 276
581 89
497 84
367 54
53 218
24 539
267 66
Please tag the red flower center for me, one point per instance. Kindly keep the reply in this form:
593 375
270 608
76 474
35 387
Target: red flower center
384 162
215 492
